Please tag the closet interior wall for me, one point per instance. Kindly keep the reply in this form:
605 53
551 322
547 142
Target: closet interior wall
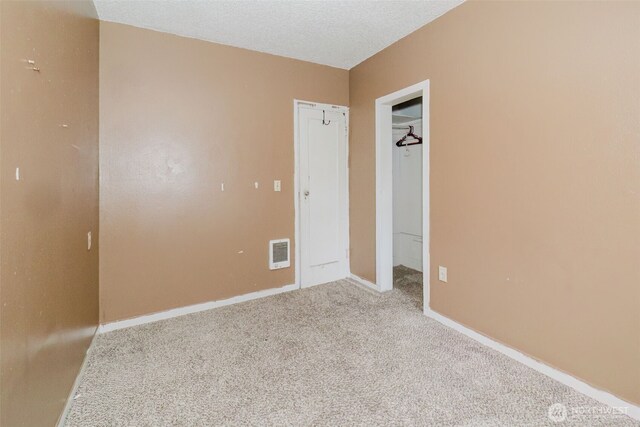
407 188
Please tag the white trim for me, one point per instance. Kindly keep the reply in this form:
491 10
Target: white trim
562 377
74 389
384 186
426 195
348 195
296 181
177 312
367 284
296 195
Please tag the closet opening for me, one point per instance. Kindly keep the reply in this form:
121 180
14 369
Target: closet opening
402 190
406 123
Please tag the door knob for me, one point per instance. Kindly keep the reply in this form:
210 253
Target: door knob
306 193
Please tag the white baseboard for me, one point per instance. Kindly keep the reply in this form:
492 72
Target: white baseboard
364 282
600 395
176 312
67 407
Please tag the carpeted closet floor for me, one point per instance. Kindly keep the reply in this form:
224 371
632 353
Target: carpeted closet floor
334 354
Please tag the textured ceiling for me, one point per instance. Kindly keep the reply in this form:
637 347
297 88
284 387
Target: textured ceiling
340 33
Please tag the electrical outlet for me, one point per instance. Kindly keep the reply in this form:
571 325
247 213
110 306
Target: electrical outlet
442 274
277 185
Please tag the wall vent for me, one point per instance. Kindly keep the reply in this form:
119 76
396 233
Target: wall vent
279 254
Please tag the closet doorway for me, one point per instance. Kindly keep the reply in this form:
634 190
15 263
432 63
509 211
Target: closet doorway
402 186
406 119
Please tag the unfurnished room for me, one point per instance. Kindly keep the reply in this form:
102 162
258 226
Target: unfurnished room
319 213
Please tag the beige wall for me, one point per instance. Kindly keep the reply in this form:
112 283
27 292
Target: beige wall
48 278
534 171
178 117
535 176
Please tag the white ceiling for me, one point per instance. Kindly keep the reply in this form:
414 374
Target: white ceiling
340 33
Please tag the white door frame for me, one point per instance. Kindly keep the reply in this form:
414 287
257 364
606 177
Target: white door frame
296 177
384 186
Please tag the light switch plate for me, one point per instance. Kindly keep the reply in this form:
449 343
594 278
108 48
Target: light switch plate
442 274
277 185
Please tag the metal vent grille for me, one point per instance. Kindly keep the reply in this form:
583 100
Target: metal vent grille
279 254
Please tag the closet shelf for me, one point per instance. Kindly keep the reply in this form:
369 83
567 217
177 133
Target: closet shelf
398 119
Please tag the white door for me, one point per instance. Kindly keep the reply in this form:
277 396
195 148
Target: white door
323 195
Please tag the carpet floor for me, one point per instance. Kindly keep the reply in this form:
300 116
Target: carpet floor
335 354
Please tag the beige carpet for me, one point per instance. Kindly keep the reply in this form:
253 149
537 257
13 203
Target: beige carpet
333 354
